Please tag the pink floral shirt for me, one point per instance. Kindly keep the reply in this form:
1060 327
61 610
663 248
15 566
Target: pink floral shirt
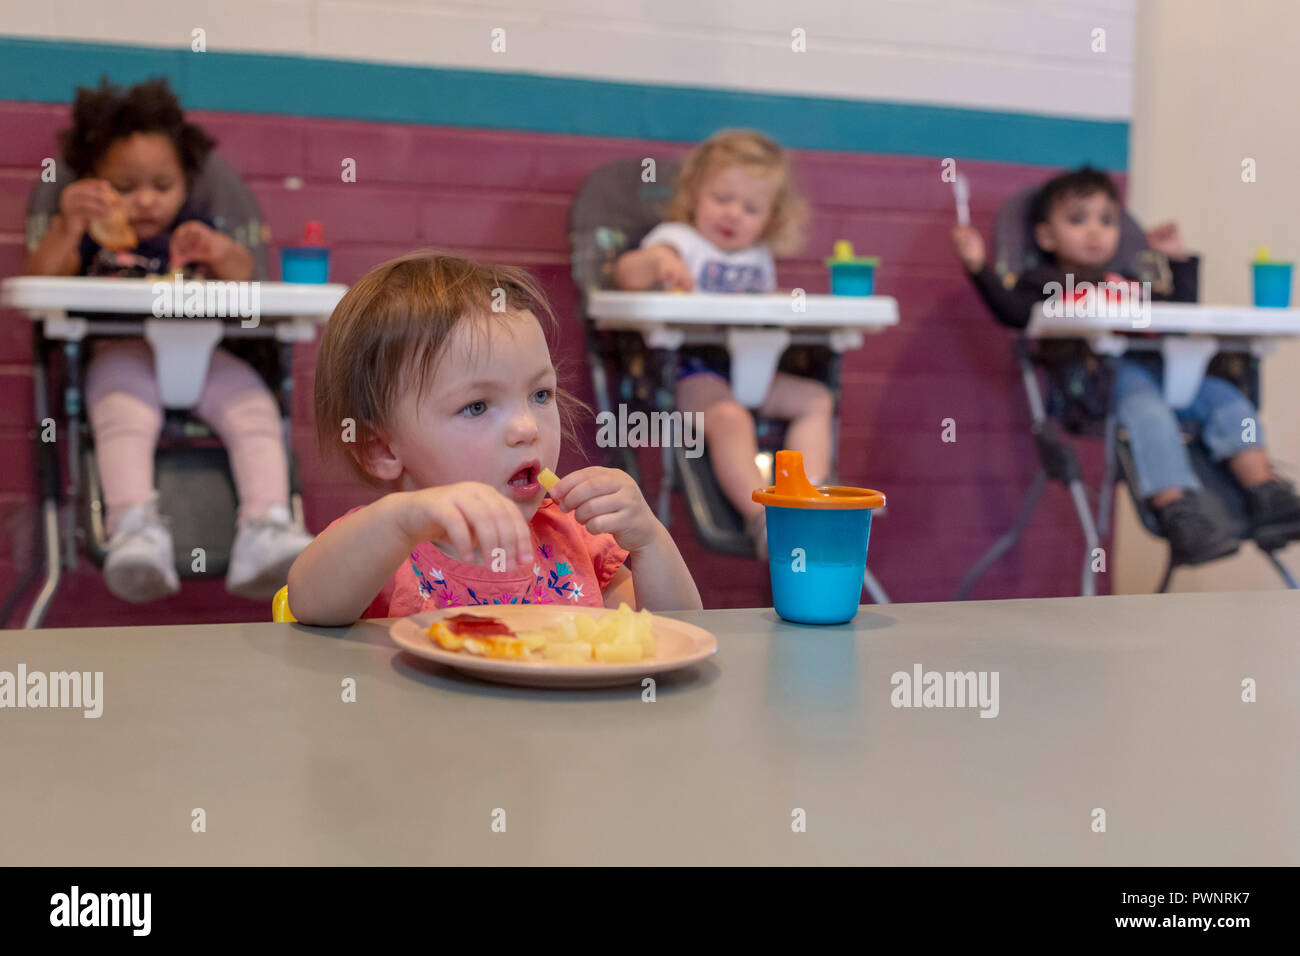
569 565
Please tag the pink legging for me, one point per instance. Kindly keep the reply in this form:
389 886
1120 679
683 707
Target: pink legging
126 417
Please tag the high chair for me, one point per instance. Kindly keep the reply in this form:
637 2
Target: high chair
280 612
1088 412
612 212
192 472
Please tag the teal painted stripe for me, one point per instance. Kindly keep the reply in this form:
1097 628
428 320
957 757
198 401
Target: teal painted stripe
47 71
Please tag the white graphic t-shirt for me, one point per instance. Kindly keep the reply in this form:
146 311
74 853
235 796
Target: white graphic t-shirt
745 270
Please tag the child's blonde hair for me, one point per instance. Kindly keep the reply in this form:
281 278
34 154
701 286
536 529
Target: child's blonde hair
388 333
754 151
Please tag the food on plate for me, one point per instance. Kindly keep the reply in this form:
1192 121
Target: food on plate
114 231
484 636
623 636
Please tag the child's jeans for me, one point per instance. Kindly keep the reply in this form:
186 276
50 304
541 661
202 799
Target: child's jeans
126 417
1224 414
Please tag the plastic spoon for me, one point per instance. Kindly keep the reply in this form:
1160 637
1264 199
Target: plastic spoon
961 189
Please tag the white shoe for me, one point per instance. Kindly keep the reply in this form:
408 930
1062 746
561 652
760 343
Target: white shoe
141 565
263 552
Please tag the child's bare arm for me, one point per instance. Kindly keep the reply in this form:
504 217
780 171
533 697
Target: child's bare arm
194 241
608 501
336 577
57 254
969 246
658 577
79 204
646 268
234 262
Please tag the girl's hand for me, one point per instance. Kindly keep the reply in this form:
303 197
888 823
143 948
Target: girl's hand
671 271
1165 238
194 242
85 201
970 247
608 501
471 517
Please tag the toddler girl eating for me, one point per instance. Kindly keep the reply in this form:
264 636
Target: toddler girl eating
435 381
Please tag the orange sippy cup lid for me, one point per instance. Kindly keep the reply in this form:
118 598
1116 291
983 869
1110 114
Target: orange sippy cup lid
794 490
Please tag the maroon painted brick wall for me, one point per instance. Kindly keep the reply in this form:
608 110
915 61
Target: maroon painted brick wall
505 196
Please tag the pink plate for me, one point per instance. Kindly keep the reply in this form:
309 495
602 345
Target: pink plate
677 645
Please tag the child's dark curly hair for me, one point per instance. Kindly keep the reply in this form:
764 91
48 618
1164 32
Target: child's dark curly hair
1083 182
102 116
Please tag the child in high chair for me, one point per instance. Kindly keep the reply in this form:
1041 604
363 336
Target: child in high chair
435 381
1077 218
734 204
134 159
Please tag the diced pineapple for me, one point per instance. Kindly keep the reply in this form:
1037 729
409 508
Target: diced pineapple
645 632
586 626
568 652
626 624
606 630
568 627
618 653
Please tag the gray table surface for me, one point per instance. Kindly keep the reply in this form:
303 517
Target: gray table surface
1131 704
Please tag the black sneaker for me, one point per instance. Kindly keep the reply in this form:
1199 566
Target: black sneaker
1275 513
1195 534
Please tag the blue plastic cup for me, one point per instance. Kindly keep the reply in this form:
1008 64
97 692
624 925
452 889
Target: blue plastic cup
309 264
850 274
1272 284
817 544
854 279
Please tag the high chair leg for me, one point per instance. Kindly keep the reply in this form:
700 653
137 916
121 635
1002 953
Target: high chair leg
53 566
1282 570
1091 542
1169 573
73 397
873 588
1007 541
48 467
667 359
663 511
1110 474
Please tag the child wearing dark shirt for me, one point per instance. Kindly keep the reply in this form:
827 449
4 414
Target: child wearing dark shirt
1077 218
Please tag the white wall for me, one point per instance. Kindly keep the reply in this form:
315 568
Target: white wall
1217 82
1019 55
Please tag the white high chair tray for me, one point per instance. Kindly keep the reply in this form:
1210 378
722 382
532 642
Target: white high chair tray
868 313
757 328
1189 335
136 296
1185 318
182 346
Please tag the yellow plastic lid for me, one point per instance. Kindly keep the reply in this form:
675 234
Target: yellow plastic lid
842 255
1262 258
794 490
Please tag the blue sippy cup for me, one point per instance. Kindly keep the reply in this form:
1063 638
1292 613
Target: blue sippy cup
850 274
308 262
816 544
1272 281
